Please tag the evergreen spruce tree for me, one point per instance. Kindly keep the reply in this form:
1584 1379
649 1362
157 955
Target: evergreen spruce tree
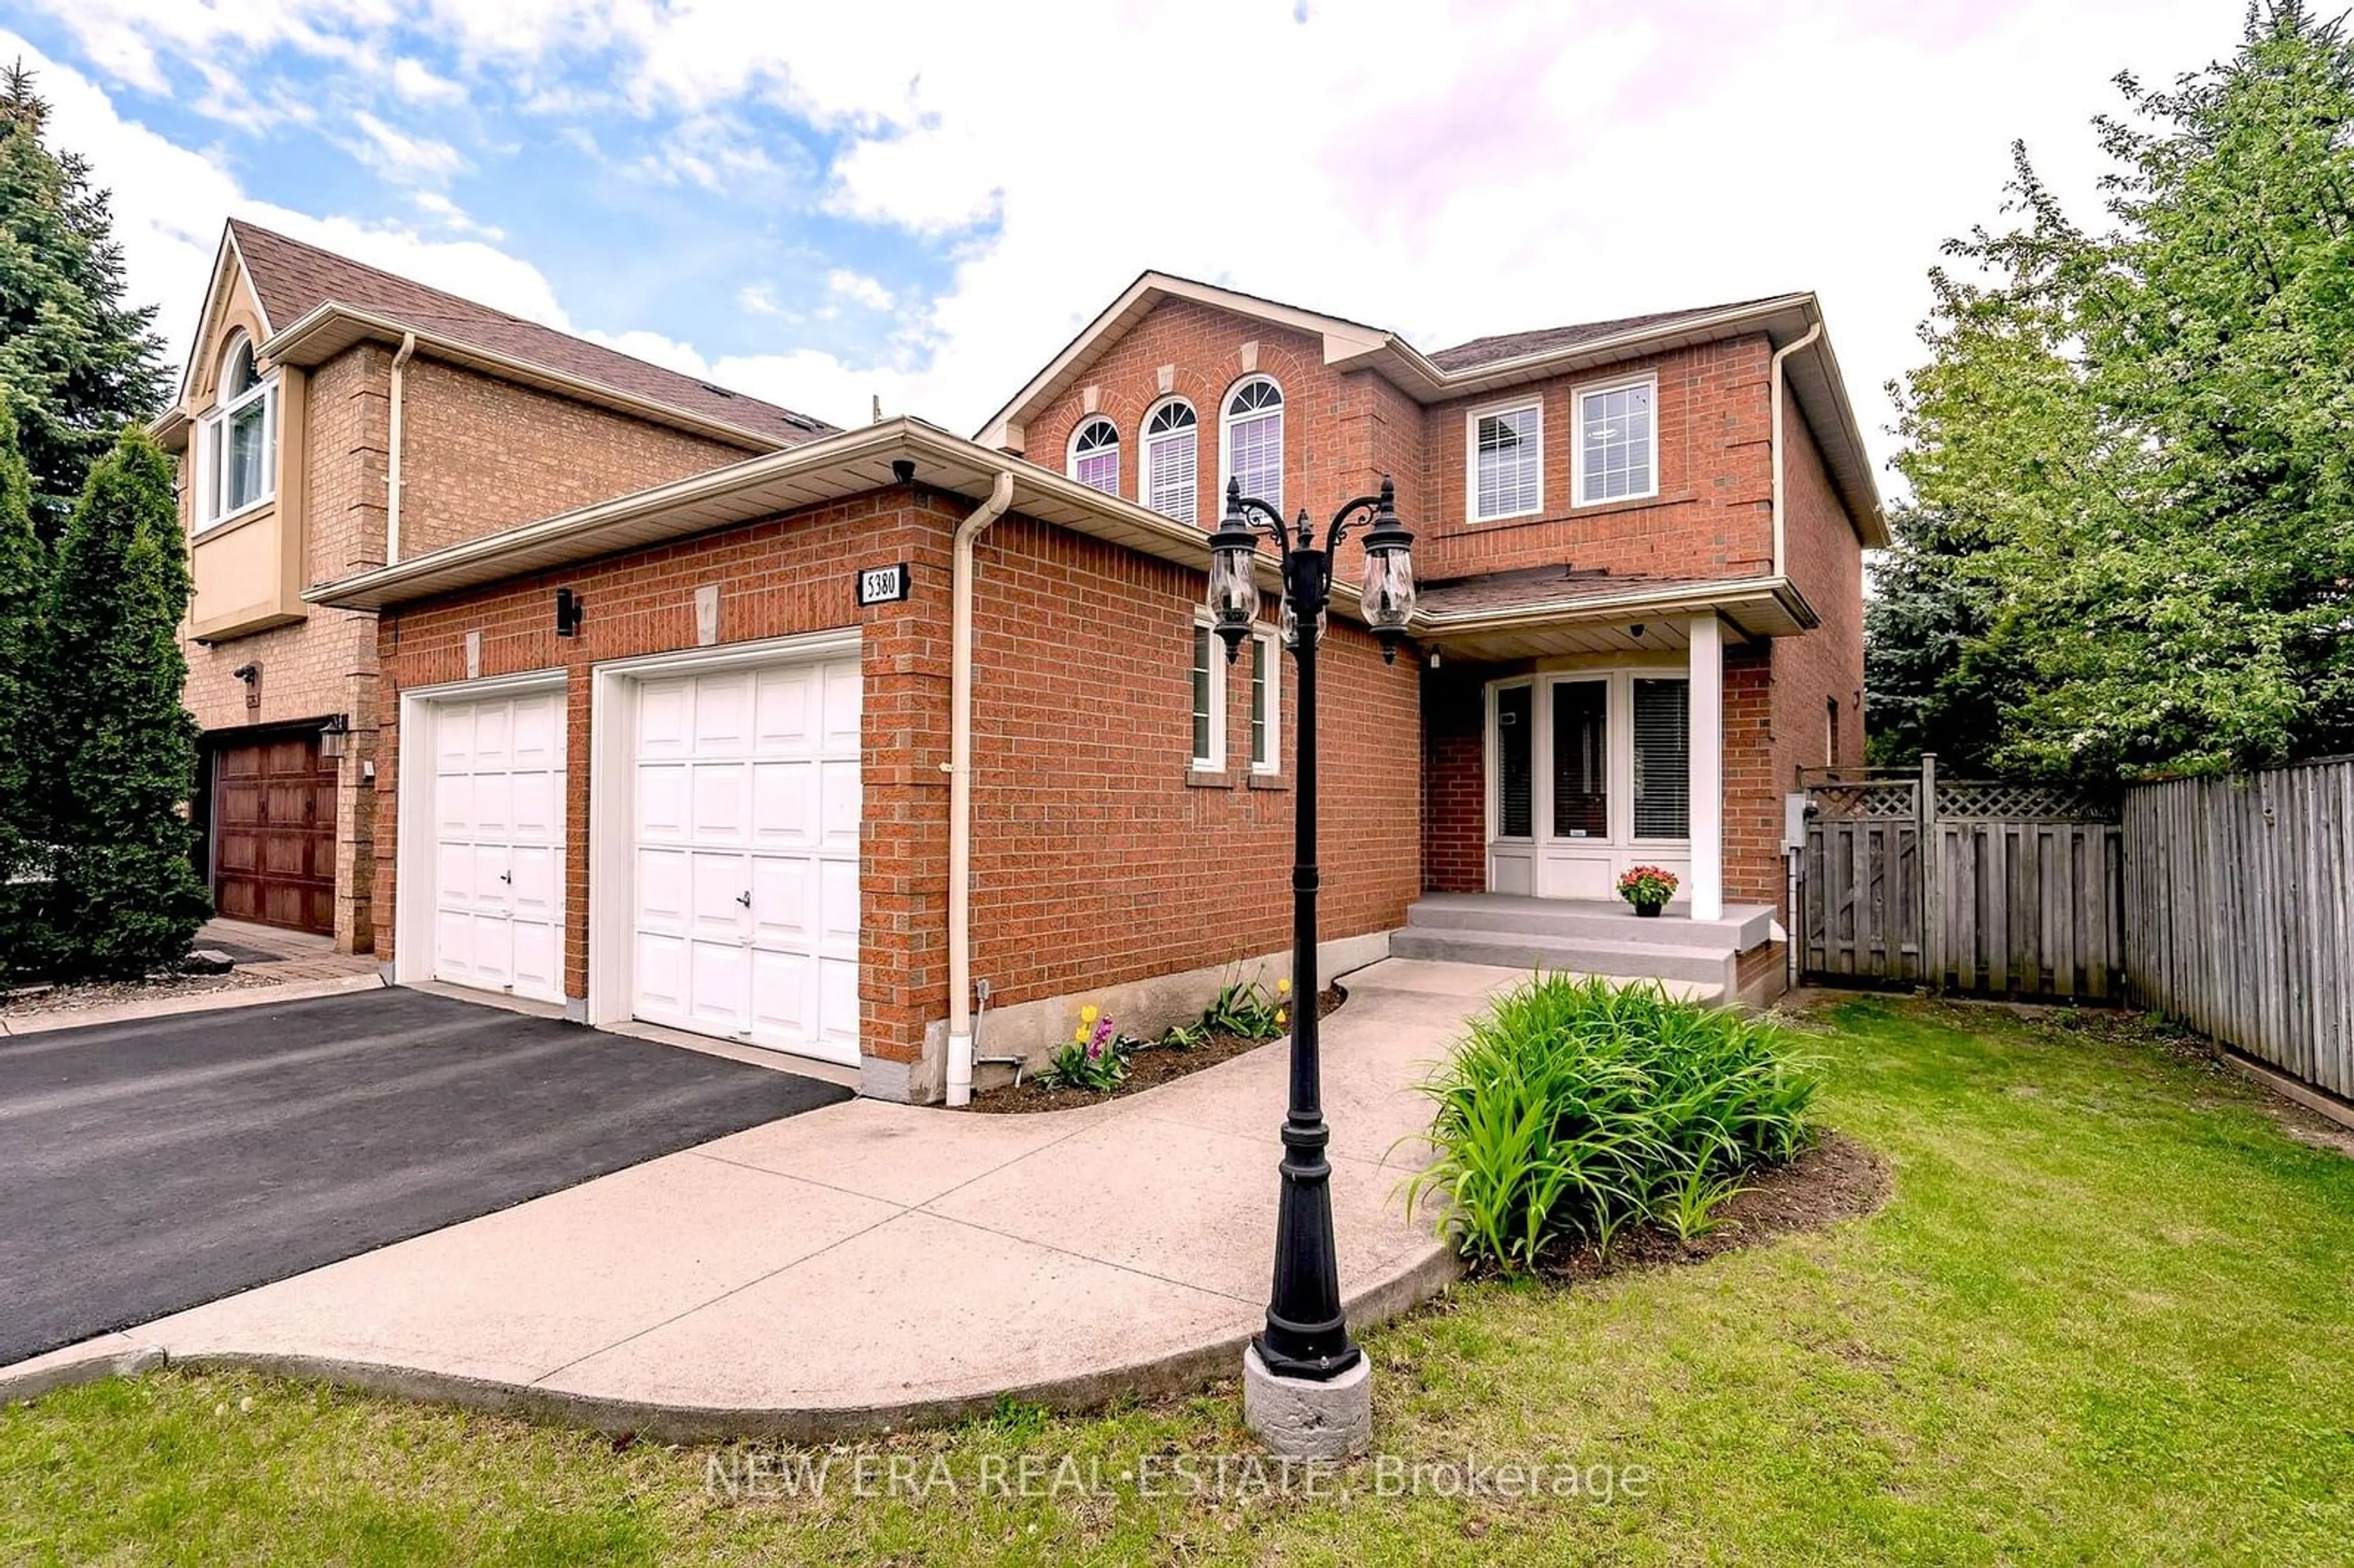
82 364
126 898
22 572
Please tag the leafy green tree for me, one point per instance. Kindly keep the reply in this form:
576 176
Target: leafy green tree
2131 447
126 895
24 569
82 364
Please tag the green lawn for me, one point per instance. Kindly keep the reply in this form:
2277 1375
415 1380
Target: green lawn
2108 1316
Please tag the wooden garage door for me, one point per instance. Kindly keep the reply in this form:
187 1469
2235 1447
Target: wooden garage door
274 833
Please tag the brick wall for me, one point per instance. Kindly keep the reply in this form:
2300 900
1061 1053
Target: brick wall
1712 517
479 454
1455 779
1097 857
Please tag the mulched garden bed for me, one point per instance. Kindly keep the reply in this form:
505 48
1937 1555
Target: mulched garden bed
1153 1064
1838 1179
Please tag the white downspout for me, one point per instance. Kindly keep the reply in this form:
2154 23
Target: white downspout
392 458
1781 565
1774 374
959 1064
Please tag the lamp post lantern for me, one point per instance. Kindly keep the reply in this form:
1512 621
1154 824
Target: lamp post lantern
1305 1362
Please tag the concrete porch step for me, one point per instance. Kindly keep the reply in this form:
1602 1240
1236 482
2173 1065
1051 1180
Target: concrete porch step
1742 928
1709 966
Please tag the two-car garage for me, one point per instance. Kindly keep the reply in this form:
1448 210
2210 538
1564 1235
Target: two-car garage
722 841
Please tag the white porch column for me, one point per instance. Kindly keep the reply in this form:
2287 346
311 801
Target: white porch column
1707 769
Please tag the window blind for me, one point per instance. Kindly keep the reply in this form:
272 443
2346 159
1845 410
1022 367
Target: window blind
1200 694
1663 759
1510 463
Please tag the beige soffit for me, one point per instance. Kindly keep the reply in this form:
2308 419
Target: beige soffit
850 462
329 329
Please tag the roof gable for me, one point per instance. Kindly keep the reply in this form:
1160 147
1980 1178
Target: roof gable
292 280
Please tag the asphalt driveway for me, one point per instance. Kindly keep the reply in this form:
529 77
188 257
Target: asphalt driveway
147 1167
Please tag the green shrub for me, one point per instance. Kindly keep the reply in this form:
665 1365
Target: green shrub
1574 1108
1244 1010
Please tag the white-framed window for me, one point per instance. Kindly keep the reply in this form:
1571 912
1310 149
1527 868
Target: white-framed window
1209 697
1171 478
1252 431
237 443
1504 459
1265 702
1617 455
1095 454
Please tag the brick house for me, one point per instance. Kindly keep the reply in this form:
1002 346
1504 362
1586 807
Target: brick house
888 747
332 418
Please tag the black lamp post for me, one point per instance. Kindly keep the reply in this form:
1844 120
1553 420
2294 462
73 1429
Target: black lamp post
1305 1335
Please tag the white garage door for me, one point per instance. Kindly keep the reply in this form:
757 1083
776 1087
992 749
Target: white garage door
498 809
747 855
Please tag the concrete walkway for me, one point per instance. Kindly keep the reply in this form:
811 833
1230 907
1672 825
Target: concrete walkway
868 1265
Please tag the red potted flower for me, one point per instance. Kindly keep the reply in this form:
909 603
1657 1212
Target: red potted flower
1647 888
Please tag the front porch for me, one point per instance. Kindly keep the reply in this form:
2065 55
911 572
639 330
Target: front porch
1731 958
1578 725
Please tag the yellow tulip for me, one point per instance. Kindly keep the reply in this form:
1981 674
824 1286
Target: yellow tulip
1282 1016
1283 986
1088 1015
1080 1034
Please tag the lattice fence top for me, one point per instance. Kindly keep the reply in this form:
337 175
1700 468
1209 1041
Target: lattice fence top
1878 797
2004 800
1868 798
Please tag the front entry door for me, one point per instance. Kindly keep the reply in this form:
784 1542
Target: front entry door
1589 775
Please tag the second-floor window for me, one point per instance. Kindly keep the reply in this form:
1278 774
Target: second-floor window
1171 460
1253 437
1617 452
237 443
1094 455
1507 461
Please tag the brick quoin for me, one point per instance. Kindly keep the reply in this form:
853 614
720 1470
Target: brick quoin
1098 856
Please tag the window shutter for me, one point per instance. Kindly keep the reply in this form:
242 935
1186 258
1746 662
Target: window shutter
1663 759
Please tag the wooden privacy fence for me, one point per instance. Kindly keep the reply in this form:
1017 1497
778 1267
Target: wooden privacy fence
1980 886
2239 912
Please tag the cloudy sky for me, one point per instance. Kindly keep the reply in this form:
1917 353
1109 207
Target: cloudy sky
821 203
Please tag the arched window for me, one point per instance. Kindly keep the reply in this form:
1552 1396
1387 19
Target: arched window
1254 440
1171 460
1094 455
237 443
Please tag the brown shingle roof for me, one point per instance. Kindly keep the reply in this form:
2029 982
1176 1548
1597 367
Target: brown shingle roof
1495 350
295 279
1537 585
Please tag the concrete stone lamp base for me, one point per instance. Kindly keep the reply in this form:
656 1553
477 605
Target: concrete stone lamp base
1302 1419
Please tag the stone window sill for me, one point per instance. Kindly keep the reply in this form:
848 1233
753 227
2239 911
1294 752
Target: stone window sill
1205 778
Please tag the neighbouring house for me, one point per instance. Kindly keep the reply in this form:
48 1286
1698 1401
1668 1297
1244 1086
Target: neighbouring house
332 418
807 748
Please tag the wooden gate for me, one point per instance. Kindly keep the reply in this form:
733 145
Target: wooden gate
1987 888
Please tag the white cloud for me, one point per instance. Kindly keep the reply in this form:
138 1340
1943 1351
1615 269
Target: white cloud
1531 162
453 217
759 300
417 83
397 155
858 288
